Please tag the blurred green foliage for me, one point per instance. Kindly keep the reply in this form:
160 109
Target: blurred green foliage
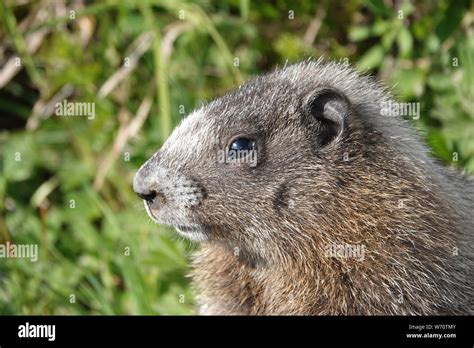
99 253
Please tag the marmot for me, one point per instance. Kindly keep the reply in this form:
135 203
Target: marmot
329 208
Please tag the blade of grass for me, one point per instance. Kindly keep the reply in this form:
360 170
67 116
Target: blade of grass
135 283
161 72
94 9
97 294
8 17
200 18
244 6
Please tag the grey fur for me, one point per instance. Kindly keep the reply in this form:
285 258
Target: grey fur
265 229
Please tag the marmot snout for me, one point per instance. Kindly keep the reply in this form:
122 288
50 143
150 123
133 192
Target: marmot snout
307 199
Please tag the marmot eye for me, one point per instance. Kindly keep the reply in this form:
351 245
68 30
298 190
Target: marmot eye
242 144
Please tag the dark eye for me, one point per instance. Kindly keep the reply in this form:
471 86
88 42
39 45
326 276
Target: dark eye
242 144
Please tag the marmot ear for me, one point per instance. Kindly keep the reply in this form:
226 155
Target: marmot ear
332 110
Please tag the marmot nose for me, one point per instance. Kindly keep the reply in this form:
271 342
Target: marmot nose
149 197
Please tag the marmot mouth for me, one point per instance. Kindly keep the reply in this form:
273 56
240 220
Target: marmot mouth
188 228
193 232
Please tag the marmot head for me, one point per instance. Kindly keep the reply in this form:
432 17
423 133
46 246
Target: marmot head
259 168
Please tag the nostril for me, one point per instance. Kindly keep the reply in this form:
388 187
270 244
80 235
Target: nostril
149 197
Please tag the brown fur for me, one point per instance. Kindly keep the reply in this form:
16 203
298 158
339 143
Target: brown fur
409 252
265 230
